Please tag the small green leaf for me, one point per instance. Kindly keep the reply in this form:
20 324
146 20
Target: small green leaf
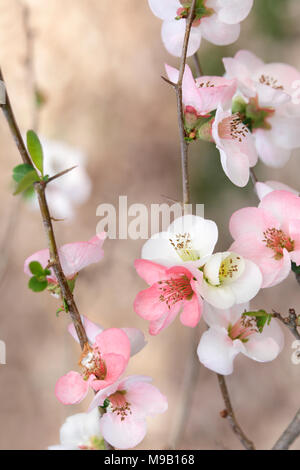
35 149
20 171
106 403
36 285
36 268
27 181
58 311
295 268
66 306
262 318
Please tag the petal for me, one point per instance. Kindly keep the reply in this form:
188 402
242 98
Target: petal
249 60
217 351
148 304
43 258
219 296
265 346
234 11
235 166
251 220
218 33
158 248
149 271
71 389
115 341
136 338
270 153
192 310
156 326
146 398
212 268
220 317
219 92
282 204
173 34
124 434
115 366
285 131
267 187
248 284
76 256
164 9
79 428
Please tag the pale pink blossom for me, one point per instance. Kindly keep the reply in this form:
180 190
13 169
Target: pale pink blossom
188 239
205 93
231 333
269 235
103 363
228 279
73 257
217 21
135 336
271 92
81 432
131 400
236 146
262 189
172 291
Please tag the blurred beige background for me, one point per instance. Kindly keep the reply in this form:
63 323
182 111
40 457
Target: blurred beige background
99 64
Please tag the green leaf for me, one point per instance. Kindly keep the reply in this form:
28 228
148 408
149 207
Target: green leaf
262 318
20 171
36 268
27 181
295 268
35 149
66 306
36 285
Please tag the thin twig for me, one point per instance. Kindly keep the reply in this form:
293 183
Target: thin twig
289 435
58 175
291 321
229 414
53 251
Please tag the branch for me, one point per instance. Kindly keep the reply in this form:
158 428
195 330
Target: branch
291 322
229 414
289 435
54 257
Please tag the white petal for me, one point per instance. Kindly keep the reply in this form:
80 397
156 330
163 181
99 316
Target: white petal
122 434
248 284
164 9
270 153
236 167
159 249
217 351
265 346
212 268
218 33
285 131
234 11
173 34
220 297
79 428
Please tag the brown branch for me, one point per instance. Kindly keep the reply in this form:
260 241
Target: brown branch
289 435
291 322
58 175
54 257
228 413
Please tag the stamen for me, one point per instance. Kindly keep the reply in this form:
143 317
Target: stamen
233 128
182 243
175 290
270 81
92 363
277 240
119 404
228 268
243 328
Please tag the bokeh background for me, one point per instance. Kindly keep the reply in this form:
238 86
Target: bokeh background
98 63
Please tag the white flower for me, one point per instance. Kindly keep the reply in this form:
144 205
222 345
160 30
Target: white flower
81 432
188 239
229 279
231 333
218 21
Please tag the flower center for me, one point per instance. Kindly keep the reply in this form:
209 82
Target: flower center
119 404
243 328
270 81
182 243
277 240
233 128
229 268
175 290
92 363
201 11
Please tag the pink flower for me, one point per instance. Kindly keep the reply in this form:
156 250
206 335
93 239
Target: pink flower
236 146
205 93
262 189
231 333
270 105
269 235
73 257
103 363
217 21
171 291
135 336
131 400
228 279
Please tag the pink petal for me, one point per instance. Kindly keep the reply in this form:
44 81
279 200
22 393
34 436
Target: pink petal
265 346
251 220
234 11
218 33
124 434
115 366
156 326
148 305
192 310
92 329
270 153
173 34
136 338
146 398
282 204
113 341
165 9
149 271
71 389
